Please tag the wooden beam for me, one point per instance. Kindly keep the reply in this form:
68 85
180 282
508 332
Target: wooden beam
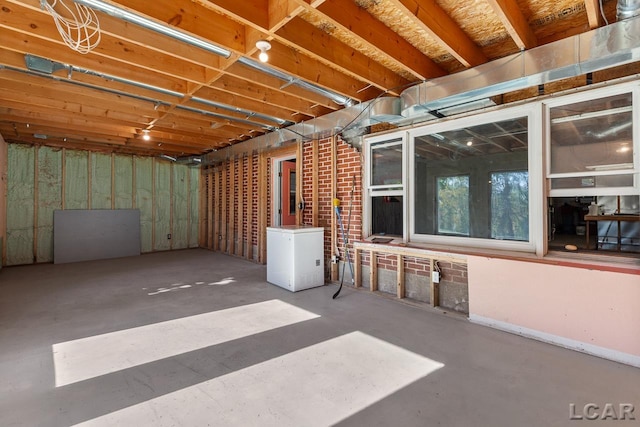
315 198
262 207
215 203
232 206
321 46
4 164
36 175
299 182
334 220
594 13
357 263
224 227
373 271
400 279
438 24
242 192
375 35
515 22
434 293
250 208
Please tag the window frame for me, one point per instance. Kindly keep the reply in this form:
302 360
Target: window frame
385 140
589 95
533 113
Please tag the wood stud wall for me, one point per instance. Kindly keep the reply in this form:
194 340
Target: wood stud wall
240 187
97 181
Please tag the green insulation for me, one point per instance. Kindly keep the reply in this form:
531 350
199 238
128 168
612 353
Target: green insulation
49 199
162 197
194 211
144 201
20 204
180 218
76 183
123 182
100 181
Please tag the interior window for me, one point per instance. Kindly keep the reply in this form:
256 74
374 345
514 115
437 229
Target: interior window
473 182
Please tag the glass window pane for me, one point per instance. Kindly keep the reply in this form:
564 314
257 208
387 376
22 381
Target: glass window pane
453 191
387 215
594 135
510 205
292 193
386 165
453 205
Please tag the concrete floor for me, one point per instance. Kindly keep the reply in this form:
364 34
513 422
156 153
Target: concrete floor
198 338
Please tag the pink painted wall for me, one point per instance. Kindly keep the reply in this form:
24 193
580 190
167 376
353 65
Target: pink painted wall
594 307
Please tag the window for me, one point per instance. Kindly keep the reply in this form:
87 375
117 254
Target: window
386 207
472 182
591 150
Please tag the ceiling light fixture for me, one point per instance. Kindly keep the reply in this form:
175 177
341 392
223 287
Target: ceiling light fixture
145 135
264 46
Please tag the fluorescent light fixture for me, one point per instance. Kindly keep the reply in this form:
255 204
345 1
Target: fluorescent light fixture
164 156
152 25
592 114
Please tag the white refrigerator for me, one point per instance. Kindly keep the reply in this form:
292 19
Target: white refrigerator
295 256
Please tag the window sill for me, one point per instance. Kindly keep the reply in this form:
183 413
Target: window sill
601 262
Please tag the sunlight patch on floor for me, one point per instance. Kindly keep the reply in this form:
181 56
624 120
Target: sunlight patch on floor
91 357
318 385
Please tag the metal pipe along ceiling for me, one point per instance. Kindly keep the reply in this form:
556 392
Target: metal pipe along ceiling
628 9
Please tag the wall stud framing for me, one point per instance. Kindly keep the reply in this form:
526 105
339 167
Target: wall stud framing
215 207
373 271
35 202
314 182
232 207
334 193
241 195
250 209
223 213
400 276
262 208
4 164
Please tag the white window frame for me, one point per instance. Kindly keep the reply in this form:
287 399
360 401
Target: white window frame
390 139
589 95
537 206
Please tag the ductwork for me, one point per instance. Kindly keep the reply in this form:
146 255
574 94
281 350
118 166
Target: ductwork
628 9
602 48
606 47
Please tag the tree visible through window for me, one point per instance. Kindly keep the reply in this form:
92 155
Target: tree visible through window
510 205
453 205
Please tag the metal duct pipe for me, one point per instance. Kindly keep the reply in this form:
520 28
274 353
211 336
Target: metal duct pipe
603 48
335 97
628 9
153 25
599 49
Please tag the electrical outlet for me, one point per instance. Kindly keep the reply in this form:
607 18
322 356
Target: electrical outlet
435 276
168 236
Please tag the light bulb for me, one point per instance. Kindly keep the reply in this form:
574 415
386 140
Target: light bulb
263 57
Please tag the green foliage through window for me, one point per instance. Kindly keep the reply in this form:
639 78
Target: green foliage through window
453 205
510 205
